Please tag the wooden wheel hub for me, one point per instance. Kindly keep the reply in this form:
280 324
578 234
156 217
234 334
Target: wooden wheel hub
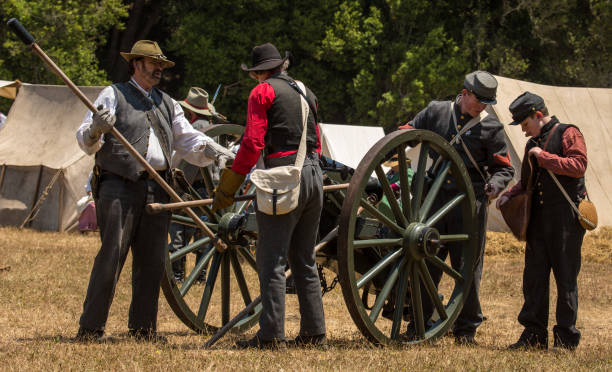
420 241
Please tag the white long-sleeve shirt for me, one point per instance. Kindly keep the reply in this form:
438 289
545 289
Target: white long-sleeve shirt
187 141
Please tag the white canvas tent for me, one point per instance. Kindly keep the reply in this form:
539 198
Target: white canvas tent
39 153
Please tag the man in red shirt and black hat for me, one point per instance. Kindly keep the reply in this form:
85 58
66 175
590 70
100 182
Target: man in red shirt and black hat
274 128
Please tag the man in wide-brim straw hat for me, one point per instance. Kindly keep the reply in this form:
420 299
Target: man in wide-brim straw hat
201 114
197 102
155 125
274 126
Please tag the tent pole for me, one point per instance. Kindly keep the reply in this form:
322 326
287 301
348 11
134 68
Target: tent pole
60 227
34 202
2 176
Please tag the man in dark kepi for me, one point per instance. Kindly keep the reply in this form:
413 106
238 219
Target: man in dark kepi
554 234
155 125
274 127
463 121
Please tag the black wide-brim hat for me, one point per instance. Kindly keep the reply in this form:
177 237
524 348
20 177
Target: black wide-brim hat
265 57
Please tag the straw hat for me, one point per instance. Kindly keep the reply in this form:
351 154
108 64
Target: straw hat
147 48
394 162
197 101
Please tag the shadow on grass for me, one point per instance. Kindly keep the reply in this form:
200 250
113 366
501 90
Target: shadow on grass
107 339
333 344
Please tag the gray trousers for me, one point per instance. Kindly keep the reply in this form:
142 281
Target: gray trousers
291 238
125 224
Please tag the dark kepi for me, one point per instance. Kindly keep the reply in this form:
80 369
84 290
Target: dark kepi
483 85
525 105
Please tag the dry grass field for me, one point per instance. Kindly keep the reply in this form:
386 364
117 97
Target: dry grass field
43 280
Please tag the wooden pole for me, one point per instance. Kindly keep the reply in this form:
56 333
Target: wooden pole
158 207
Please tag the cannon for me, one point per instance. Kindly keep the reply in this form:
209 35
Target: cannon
379 238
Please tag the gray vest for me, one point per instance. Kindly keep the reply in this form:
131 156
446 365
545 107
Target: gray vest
133 123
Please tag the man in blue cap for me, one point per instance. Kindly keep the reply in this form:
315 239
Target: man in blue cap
554 235
479 140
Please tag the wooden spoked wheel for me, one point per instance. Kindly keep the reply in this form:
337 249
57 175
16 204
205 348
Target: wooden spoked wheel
388 244
230 276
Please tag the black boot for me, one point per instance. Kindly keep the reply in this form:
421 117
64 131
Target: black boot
530 341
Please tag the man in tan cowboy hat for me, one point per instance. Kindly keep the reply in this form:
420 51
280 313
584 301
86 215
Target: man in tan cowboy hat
155 125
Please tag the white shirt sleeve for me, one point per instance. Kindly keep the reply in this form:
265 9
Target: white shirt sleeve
108 100
187 140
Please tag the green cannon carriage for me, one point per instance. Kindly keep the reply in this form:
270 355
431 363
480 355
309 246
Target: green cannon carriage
379 239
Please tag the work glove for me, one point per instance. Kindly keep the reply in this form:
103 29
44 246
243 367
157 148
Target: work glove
103 122
229 183
218 153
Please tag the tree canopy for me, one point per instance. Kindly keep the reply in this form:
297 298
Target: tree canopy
374 62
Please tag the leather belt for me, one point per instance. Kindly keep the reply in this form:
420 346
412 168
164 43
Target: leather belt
288 160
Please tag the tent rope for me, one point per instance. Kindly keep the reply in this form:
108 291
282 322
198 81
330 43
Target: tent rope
36 208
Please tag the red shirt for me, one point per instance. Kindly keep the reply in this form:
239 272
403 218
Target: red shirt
253 141
573 164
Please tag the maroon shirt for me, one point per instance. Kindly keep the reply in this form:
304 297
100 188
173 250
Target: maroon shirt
572 164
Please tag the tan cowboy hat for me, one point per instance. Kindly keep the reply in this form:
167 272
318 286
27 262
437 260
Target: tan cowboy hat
147 48
197 101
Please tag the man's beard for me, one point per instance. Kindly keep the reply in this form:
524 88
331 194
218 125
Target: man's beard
155 75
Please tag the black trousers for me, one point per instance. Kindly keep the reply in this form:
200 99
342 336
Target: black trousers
554 242
125 224
471 314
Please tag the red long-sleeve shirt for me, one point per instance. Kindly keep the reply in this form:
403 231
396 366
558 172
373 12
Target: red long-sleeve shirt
253 141
573 164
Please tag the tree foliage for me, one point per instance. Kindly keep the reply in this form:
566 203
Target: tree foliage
368 61
69 31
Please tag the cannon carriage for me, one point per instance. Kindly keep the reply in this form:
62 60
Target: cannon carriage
379 237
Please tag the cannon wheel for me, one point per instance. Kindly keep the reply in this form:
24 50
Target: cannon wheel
401 255
206 308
